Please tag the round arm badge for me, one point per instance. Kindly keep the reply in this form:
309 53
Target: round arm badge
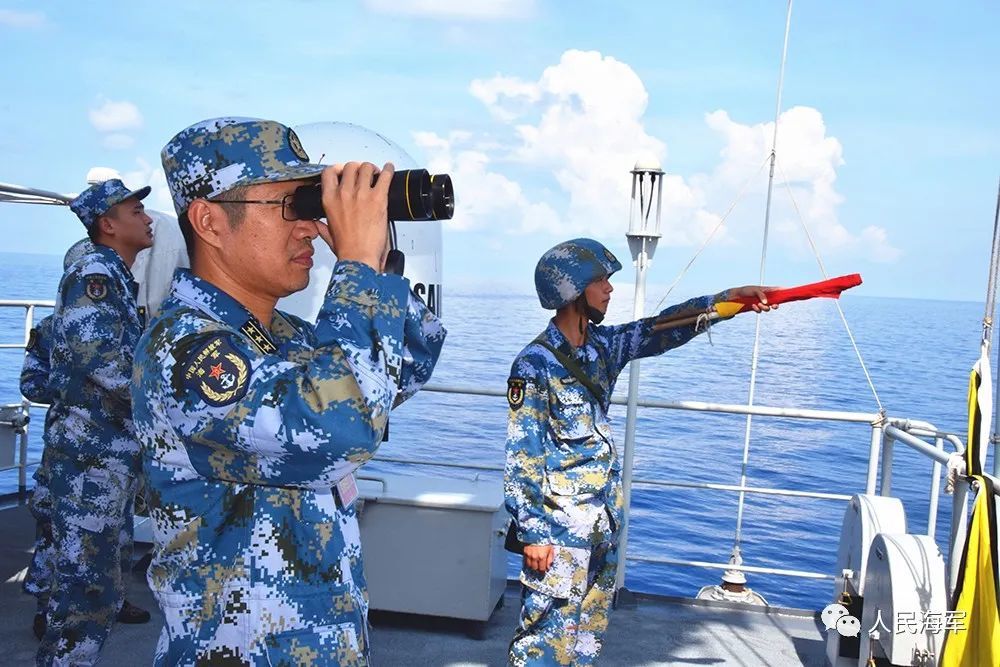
515 392
96 286
218 372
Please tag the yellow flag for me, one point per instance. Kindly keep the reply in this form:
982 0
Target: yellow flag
973 639
980 412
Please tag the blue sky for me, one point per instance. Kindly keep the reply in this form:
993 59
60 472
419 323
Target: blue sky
888 135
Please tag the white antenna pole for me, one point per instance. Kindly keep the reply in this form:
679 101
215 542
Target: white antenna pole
642 242
991 295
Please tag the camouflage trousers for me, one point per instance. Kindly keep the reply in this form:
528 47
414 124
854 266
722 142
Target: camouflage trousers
38 580
564 612
88 588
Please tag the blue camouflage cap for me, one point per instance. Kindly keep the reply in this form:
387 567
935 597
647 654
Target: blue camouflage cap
565 270
218 154
98 199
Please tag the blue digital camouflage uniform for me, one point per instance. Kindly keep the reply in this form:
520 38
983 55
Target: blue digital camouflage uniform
35 388
247 428
563 478
95 328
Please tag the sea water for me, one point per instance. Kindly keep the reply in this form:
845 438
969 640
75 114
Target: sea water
917 352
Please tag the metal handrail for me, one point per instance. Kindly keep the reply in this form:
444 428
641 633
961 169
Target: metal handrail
24 303
804 574
884 432
29 306
702 406
651 482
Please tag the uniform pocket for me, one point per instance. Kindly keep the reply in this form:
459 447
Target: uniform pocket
562 484
584 480
572 414
335 633
101 502
337 644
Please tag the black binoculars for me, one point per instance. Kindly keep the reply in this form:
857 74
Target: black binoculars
414 194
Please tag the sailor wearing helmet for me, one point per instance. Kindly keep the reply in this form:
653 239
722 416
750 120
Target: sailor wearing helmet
563 479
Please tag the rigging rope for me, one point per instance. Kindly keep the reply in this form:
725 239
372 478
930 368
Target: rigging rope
711 234
822 269
772 158
763 259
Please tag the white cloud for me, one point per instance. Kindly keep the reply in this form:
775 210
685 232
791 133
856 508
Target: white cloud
146 174
587 133
558 161
485 197
458 9
118 142
490 92
808 160
114 116
15 19
874 242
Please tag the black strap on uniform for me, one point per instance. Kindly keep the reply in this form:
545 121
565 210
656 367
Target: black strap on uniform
574 368
511 543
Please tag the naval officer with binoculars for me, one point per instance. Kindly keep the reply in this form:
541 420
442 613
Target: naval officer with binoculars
252 421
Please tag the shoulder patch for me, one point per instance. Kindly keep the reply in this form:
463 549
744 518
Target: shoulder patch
218 372
32 340
515 392
96 286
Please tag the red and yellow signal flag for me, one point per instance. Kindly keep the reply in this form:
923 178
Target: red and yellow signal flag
830 289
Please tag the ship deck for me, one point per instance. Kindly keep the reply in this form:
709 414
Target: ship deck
656 631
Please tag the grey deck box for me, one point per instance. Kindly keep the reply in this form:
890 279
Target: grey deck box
433 545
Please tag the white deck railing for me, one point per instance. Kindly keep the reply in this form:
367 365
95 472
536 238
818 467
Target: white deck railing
884 431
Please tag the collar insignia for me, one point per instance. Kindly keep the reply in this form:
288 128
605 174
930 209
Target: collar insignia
258 337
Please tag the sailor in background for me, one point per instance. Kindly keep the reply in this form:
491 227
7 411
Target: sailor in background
35 387
252 421
95 328
563 479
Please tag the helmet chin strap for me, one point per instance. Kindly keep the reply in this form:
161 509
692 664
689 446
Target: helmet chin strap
594 315
591 313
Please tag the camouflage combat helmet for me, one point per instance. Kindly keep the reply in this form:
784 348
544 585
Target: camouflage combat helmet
563 272
218 154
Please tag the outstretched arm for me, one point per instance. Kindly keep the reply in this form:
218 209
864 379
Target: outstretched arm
647 337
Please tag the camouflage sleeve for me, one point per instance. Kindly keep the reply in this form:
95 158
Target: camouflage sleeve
423 338
636 340
90 321
35 372
304 421
524 471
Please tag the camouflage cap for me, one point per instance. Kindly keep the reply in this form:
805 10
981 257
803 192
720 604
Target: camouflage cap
218 154
98 199
565 270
